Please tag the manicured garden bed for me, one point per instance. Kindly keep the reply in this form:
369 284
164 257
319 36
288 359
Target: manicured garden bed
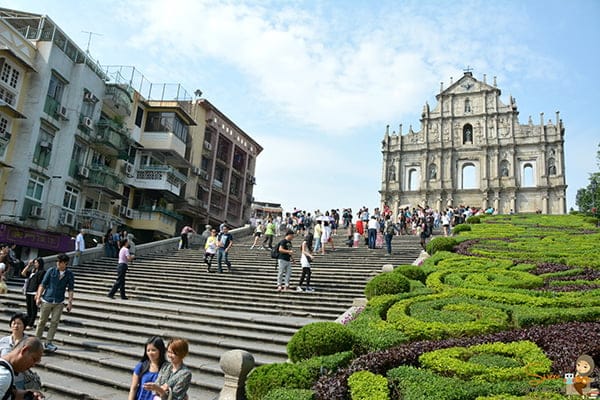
506 313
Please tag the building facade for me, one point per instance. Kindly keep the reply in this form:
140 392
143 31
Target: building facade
84 146
472 150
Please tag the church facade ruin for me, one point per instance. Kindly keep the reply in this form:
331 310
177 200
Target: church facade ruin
472 150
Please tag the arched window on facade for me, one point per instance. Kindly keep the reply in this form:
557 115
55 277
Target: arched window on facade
468 176
467 134
528 179
551 166
467 105
504 168
413 179
432 172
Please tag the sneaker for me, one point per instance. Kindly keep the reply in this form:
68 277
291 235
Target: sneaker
251 247
279 288
124 298
299 289
309 289
49 347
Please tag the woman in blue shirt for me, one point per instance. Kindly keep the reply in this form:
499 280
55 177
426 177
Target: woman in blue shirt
147 369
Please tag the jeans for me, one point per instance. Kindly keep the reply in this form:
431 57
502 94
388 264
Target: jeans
388 242
284 272
222 254
372 238
120 282
317 245
53 310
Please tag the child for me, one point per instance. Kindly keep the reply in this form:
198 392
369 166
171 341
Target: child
210 248
356 239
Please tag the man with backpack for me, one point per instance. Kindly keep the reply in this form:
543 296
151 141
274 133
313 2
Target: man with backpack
285 259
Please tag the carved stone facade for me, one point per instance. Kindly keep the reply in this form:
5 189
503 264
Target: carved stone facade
472 150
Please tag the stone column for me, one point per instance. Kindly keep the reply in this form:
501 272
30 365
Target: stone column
236 364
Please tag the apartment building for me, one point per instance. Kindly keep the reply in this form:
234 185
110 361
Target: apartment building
102 147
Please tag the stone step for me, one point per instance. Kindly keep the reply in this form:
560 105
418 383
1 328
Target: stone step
171 294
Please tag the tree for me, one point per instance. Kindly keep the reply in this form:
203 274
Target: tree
588 198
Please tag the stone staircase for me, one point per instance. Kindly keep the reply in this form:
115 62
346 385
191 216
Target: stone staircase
101 339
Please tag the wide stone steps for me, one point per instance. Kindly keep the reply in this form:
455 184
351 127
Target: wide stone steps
101 339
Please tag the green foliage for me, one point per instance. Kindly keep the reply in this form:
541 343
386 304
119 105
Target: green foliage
440 244
319 339
386 283
466 362
474 219
411 272
265 378
365 385
289 394
421 384
460 228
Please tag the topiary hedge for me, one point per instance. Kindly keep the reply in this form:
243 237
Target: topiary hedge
413 272
490 362
266 378
440 244
365 385
289 394
460 228
387 283
319 339
474 219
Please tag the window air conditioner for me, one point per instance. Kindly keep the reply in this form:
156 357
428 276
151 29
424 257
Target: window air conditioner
35 211
84 171
62 112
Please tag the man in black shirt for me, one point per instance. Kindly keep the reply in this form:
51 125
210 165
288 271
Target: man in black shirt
284 261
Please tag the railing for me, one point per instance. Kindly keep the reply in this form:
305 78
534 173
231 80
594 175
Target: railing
161 210
155 172
104 176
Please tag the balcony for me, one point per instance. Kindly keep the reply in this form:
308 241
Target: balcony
158 177
168 144
110 138
97 222
155 219
104 179
119 98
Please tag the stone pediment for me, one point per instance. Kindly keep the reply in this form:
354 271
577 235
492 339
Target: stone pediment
467 84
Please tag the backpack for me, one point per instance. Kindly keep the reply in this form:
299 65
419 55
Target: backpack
275 251
9 392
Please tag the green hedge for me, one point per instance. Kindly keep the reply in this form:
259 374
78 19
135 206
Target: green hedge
460 228
412 272
490 362
289 394
319 339
440 244
365 385
265 378
386 283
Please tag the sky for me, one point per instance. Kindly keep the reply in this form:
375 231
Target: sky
316 82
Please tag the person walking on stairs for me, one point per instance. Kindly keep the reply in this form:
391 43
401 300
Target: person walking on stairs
50 298
305 260
285 259
225 241
124 259
210 248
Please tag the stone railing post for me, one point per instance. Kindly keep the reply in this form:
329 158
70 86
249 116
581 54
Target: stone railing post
236 364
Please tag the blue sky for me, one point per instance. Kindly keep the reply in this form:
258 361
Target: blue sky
316 82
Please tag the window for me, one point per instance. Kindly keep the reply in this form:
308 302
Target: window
205 164
87 109
35 187
467 106
71 198
469 176
3 125
56 88
139 115
9 75
528 175
43 150
413 179
167 122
